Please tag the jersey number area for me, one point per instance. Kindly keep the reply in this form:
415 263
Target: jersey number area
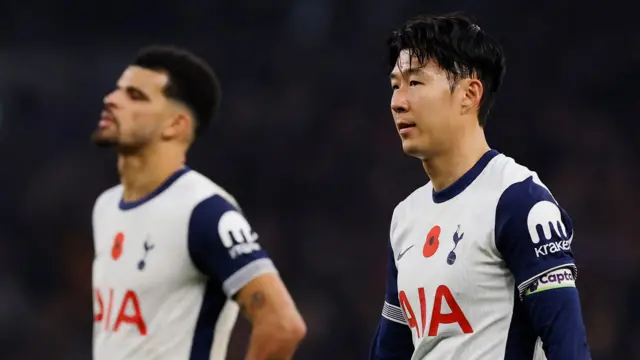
437 317
128 312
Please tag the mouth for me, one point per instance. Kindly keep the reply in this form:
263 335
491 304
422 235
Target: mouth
106 119
405 126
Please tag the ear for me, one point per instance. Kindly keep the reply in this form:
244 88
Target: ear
177 126
471 96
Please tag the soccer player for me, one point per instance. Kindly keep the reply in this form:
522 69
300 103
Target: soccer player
480 265
174 254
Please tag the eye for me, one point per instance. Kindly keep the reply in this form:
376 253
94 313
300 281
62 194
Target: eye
135 94
395 87
414 83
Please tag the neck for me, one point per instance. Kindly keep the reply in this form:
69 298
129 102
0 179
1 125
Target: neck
449 166
142 173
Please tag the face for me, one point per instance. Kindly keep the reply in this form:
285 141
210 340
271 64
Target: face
135 113
425 109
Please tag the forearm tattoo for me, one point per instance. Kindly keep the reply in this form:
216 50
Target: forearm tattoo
256 301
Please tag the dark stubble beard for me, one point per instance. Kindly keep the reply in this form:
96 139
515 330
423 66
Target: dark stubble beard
102 142
123 149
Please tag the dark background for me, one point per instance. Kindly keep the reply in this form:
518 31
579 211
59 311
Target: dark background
305 141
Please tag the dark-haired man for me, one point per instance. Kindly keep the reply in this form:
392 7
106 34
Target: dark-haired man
174 254
479 259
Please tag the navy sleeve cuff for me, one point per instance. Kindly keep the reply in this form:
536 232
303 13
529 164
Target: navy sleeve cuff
392 341
556 317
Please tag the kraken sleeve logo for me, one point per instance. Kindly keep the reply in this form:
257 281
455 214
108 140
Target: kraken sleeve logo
236 234
545 223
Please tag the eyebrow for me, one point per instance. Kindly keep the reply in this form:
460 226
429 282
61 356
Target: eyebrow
408 72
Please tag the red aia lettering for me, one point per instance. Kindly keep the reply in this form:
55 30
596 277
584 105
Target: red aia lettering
437 317
98 317
124 316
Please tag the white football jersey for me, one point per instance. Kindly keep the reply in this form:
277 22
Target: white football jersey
165 270
462 258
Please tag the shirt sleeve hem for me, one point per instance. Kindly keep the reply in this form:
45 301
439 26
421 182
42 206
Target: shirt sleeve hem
244 275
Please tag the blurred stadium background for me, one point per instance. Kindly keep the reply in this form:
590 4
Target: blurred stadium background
306 143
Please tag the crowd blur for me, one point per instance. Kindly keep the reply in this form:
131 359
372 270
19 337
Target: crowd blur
306 143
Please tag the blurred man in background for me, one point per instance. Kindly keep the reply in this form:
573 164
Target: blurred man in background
173 251
480 265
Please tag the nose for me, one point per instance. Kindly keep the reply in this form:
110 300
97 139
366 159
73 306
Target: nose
110 99
399 104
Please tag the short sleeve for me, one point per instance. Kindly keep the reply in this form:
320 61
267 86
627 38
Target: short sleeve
391 309
223 246
392 340
533 233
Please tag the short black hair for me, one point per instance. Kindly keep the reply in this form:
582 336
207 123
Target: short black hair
191 80
458 46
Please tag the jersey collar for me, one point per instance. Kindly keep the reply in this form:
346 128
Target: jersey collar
457 187
128 205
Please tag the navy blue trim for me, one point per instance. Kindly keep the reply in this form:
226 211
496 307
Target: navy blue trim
391 295
521 339
457 187
124 205
209 253
556 317
212 304
392 341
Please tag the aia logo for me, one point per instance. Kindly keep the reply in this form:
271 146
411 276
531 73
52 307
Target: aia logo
128 311
432 310
432 242
117 247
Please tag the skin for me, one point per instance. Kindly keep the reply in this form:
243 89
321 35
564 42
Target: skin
277 326
139 115
150 132
444 134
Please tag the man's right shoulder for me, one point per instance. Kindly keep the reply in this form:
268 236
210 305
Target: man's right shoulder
111 195
109 199
418 198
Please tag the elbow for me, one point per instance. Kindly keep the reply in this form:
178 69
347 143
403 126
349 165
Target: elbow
290 332
295 330
276 339
300 330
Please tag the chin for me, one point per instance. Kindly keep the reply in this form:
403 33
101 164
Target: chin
103 140
412 149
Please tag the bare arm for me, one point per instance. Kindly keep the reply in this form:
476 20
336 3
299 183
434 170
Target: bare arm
277 327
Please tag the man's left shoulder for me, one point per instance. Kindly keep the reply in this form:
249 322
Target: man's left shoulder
527 209
529 195
526 203
531 205
203 187
517 185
